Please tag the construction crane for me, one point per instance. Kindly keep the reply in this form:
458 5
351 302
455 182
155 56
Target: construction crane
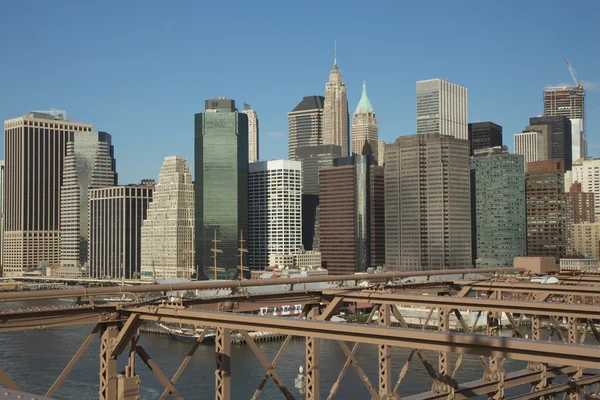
573 74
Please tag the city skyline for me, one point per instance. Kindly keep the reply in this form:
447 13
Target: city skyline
121 104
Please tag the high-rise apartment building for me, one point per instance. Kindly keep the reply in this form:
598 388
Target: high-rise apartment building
586 239
544 190
252 133
167 234
381 153
533 144
313 158
305 124
587 172
364 126
579 208
1 214
275 210
483 135
560 137
499 215
569 102
352 215
221 186
336 120
35 147
89 164
427 203
442 108
116 214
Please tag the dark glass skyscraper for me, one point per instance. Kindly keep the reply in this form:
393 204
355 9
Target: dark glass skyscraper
483 135
560 137
221 186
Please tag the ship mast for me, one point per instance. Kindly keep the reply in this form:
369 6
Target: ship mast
242 250
216 251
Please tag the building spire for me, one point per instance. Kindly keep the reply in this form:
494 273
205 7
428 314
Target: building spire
364 105
335 52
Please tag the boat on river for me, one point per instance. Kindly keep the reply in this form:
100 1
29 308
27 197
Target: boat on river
189 334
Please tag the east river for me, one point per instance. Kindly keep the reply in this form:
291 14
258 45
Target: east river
35 358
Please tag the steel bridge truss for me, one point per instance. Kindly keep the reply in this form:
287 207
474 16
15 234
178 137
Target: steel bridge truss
564 353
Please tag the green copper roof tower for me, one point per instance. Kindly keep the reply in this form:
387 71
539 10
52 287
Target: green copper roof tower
221 186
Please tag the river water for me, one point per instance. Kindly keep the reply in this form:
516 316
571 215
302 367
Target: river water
35 358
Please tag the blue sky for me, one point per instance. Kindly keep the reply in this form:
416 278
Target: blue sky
141 69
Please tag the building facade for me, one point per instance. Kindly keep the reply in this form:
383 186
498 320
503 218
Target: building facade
89 164
35 147
275 210
221 186
305 124
427 203
336 120
544 189
579 208
116 214
559 137
442 108
587 172
364 126
313 158
499 216
381 153
586 239
167 233
1 214
252 133
483 135
569 102
352 215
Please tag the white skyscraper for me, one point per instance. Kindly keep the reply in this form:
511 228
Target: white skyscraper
167 238
275 210
364 126
335 112
252 133
442 108
89 164
534 145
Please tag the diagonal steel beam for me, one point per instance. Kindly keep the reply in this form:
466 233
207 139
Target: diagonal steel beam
361 373
130 327
184 363
333 306
266 365
160 376
274 364
8 382
73 361
556 389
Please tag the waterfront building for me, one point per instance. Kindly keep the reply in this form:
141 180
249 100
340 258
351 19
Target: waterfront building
569 102
298 260
579 207
35 147
484 135
586 239
252 133
305 124
442 108
544 189
533 143
313 158
364 126
579 264
221 186
167 234
116 214
586 171
427 203
352 215
336 120
560 137
89 164
498 215
275 210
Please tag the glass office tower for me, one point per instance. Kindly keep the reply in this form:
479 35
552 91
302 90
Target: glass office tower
221 187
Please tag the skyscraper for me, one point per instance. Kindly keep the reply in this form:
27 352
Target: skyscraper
35 148
381 153
532 144
498 215
275 210
313 159
427 203
252 133
167 233
305 124
221 185
569 102
544 189
483 135
579 208
336 119
116 214
560 137
89 164
1 214
585 171
442 108
352 215
364 126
